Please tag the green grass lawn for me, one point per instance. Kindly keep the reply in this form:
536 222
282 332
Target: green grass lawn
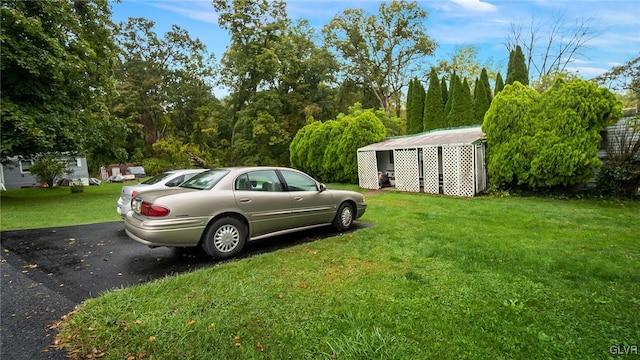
50 207
434 278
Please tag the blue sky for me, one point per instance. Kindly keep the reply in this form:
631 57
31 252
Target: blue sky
451 23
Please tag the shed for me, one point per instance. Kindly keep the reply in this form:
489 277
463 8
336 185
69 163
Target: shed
446 161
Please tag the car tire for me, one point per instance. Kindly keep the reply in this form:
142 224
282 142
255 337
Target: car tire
344 217
224 238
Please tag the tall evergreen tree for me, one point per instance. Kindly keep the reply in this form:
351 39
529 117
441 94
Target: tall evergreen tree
453 81
484 77
410 96
475 89
517 69
415 106
433 105
444 90
499 84
481 101
465 105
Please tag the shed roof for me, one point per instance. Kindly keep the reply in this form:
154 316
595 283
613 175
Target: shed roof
458 136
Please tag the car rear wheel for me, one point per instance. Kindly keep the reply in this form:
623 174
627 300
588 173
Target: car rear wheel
224 238
344 217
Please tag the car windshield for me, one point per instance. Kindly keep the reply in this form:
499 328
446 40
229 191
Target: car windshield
156 179
205 180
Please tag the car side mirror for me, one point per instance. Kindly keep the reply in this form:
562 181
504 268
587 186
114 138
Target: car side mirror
322 187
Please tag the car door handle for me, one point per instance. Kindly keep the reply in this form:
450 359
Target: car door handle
245 200
298 198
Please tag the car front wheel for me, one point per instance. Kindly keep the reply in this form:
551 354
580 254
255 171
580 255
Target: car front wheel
344 217
224 238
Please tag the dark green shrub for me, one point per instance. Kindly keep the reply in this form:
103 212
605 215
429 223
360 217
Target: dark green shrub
328 151
550 140
76 186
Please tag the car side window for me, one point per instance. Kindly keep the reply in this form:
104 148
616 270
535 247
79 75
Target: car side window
242 183
299 182
260 180
175 182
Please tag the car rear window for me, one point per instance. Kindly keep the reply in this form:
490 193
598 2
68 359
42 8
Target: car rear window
205 180
156 179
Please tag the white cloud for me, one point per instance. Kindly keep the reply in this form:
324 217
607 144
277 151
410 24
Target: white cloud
475 5
195 10
587 72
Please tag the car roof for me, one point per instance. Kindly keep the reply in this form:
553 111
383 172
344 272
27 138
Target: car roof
245 168
235 170
184 171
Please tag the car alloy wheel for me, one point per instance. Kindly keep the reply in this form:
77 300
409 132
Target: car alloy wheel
226 238
344 217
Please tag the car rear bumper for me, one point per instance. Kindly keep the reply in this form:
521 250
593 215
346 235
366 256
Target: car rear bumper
171 233
121 208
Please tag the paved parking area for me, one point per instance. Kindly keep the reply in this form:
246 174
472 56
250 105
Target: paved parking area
47 272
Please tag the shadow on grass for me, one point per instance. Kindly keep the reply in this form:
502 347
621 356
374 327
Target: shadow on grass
194 256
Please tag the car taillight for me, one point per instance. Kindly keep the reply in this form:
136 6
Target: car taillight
148 209
134 193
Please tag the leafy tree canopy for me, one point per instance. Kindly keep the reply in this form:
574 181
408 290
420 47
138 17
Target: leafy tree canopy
464 62
625 78
380 48
163 83
57 61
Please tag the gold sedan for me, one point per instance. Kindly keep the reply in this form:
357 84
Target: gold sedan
221 209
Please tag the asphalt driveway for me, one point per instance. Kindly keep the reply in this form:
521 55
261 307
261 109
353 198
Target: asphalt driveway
47 272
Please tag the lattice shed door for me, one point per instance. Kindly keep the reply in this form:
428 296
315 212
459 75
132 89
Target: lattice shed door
407 170
431 170
458 170
368 170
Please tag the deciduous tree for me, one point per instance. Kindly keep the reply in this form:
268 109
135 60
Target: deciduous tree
623 78
278 78
250 62
464 62
163 84
549 47
381 49
57 62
